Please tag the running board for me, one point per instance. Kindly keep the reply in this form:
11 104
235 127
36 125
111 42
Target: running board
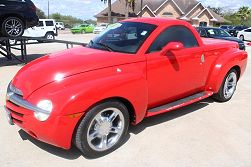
179 103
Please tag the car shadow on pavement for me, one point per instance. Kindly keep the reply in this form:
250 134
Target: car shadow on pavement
74 153
71 154
5 62
158 119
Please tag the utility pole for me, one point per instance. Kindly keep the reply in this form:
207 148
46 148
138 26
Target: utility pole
48 9
141 8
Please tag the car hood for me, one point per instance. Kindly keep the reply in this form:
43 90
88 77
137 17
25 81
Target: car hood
63 64
231 39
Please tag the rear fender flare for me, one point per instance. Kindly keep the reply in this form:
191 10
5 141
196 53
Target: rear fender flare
220 68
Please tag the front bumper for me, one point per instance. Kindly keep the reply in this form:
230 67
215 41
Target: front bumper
97 31
57 130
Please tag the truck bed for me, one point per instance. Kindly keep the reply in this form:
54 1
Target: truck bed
218 43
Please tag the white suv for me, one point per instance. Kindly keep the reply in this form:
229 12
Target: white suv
46 28
101 27
60 25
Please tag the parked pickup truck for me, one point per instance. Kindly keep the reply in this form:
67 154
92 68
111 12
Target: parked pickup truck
137 68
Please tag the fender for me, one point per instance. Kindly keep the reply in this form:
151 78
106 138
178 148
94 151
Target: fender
223 64
82 91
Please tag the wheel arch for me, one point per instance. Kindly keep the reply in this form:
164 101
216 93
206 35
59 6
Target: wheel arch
126 102
238 69
233 59
219 74
13 15
50 32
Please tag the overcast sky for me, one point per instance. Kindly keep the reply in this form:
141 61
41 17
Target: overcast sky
86 9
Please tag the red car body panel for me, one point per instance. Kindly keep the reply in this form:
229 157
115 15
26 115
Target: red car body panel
77 79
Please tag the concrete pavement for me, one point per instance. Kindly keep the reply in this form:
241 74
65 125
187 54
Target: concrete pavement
203 134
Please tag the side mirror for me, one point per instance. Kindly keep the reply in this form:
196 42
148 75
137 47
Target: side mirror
172 46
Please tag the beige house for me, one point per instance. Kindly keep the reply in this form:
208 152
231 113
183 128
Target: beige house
190 10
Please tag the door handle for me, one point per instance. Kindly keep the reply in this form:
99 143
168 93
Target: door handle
202 59
2 5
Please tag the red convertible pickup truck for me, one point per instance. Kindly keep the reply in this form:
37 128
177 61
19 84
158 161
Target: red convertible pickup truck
135 69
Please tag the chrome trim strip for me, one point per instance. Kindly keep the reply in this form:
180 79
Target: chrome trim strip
15 90
15 96
23 103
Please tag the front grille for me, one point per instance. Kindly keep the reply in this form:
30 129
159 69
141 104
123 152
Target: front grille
14 109
16 113
16 116
18 106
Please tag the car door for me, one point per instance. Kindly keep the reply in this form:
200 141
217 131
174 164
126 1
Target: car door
177 74
82 28
49 27
87 28
35 31
247 34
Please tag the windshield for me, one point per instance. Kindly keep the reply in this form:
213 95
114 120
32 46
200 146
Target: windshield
213 32
125 37
76 26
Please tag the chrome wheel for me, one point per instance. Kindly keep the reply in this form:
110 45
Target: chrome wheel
13 27
105 129
230 85
50 36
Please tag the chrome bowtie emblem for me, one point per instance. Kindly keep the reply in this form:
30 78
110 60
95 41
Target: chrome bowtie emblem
8 95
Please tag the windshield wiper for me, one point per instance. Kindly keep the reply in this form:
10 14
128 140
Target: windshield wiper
105 46
101 44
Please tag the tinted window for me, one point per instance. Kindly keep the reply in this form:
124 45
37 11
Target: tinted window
49 23
248 30
174 34
223 27
217 32
203 24
202 32
40 24
125 37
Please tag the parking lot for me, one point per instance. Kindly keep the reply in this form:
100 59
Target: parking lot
206 133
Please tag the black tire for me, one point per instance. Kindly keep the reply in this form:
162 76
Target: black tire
82 130
82 32
10 32
220 97
242 37
49 36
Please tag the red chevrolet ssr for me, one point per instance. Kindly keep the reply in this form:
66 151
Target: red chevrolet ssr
135 69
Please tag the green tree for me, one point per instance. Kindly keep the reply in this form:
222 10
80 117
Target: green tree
109 9
217 10
40 14
69 21
244 13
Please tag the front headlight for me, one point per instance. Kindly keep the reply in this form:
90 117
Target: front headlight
45 105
